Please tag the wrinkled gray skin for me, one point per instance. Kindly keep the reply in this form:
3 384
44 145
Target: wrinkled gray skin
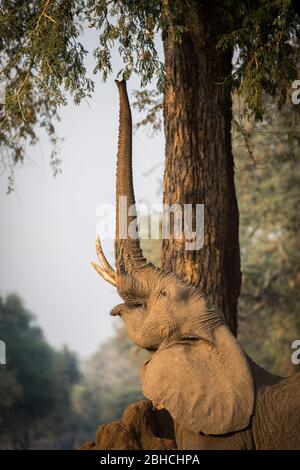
217 397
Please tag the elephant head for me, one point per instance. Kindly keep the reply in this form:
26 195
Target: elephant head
197 369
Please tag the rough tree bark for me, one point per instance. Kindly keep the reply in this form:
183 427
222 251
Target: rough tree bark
199 164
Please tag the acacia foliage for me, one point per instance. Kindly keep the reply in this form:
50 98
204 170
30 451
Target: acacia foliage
42 59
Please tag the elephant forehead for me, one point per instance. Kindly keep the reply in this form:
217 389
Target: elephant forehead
130 288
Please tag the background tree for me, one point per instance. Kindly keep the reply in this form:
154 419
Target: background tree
61 427
110 383
35 384
27 372
268 172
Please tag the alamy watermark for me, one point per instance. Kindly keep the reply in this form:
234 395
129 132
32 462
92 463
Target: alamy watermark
183 222
296 93
296 353
2 353
2 90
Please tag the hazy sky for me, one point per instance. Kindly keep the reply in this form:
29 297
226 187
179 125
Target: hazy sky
48 225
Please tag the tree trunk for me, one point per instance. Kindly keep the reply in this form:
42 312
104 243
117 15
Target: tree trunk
199 164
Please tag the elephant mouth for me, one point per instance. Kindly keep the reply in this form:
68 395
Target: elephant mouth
116 311
129 308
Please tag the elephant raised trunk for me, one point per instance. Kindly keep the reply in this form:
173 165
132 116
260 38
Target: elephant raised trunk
124 188
128 253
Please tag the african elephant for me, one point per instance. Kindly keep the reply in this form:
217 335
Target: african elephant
217 396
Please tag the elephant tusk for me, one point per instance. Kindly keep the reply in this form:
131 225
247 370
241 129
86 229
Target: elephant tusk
104 270
103 260
104 274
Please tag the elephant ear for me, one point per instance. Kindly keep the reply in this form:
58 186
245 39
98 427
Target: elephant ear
205 387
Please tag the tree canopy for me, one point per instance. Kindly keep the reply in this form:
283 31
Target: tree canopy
42 58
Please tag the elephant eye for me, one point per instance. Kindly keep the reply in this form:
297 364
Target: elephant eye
164 293
138 304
